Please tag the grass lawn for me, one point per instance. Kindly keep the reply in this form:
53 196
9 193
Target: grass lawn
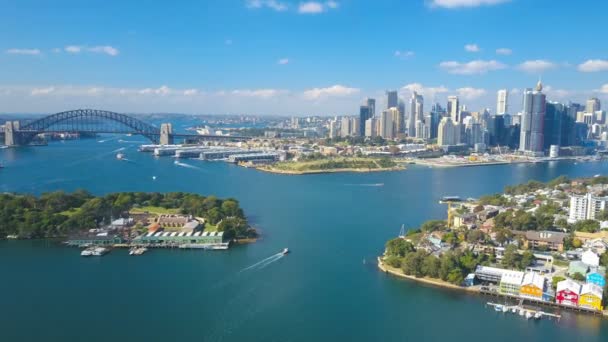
155 210
332 163
210 228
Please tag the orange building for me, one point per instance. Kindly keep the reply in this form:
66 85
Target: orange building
532 286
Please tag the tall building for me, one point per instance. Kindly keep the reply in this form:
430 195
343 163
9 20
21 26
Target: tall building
345 127
371 104
392 100
333 129
446 132
593 105
585 207
397 118
387 123
554 119
370 127
364 115
416 113
454 108
354 126
502 102
531 138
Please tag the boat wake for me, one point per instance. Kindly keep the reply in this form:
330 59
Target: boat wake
186 165
263 263
118 149
366 184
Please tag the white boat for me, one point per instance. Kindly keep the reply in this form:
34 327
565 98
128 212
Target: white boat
538 315
285 251
137 250
498 307
120 156
99 251
87 252
529 315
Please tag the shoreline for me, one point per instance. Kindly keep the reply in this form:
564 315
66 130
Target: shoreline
434 162
426 280
347 170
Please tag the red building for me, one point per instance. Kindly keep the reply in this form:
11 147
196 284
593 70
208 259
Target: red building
568 292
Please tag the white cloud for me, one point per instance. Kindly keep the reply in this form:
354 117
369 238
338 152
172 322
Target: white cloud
314 7
42 91
472 48
593 65
108 50
472 67
272 4
556 93
536 66
163 90
258 93
190 92
283 61
428 92
335 90
31 52
603 89
504 51
73 49
404 54
469 93
450 4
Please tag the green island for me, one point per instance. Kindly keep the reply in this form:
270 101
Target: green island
122 218
536 233
332 164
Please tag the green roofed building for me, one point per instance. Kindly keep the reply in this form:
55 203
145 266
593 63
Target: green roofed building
176 239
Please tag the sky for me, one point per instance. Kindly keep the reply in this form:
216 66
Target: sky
284 57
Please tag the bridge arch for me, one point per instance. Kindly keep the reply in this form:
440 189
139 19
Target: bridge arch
86 120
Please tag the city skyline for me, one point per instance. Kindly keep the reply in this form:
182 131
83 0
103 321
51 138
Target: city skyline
324 64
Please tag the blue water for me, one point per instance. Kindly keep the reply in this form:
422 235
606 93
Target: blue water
322 291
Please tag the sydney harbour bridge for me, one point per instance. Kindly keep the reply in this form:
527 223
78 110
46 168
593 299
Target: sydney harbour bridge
95 121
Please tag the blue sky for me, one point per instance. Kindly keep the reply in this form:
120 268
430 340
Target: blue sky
294 57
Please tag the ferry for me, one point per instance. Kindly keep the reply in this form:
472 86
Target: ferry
285 251
137 250
94 251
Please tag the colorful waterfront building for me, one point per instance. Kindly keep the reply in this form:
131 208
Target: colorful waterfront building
591 297
597 275
510 283
567 292
532 286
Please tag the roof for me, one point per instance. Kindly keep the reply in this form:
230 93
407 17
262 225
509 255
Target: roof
534 279
591 288
569 285
512 277
546 236
577 267
601 270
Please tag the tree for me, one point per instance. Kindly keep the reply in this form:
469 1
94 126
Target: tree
430 266
602 215
433 225
527 259
393 261
511 257
412 263
604 259
556 280
578 276
576 243
399 247
589 226
475 235
455 277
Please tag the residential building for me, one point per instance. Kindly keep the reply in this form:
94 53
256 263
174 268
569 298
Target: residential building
490 274
345 127
597 275
333 129
553 241
502 102
586 207
365 113
447 132
577 267
532 121
591 297
567 292
532 286
510 283
590 259
370 127
386 123
593 105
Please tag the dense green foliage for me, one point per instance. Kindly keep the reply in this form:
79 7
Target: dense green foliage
58 213
589 226
512 258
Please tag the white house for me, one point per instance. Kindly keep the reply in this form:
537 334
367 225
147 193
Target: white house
590 258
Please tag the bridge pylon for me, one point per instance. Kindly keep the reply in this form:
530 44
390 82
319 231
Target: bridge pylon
11 138
166 134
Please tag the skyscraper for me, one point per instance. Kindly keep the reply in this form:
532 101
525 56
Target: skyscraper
416 113
387 123
371 104
370 127
531 138
397 117
501 102
364 115
454 108
392 100
593 105
345 127
446 134
554 117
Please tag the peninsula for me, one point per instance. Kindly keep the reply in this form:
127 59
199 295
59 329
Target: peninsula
329 165
544 243
173 219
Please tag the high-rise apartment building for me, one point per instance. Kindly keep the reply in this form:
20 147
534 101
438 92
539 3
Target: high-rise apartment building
416 113
502 102
531 139
453 109
364 115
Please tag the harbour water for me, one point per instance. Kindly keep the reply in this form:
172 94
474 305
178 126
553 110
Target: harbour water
327 288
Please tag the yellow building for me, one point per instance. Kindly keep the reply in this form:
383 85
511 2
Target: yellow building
591 297
532 286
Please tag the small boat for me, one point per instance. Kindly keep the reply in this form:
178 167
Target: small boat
285 251
498 308
529 315
153 177
538 315
87 252
137 250
99 251
120 156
